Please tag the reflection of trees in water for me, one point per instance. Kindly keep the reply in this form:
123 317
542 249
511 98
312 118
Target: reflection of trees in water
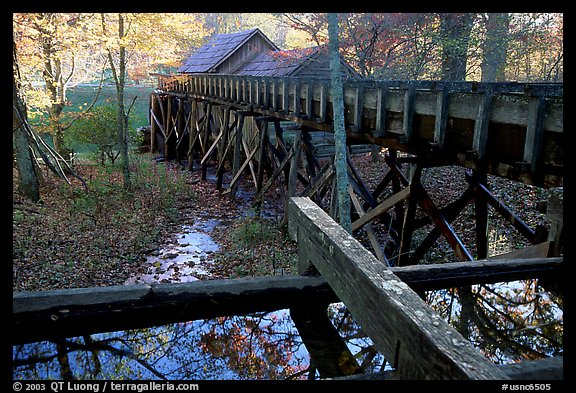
260 346
369 359
508 322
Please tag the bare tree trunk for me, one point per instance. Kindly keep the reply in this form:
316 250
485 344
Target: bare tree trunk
495 47
455 34
120 80
339 128
29 183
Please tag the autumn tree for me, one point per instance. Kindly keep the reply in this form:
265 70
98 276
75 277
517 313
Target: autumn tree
54 50
23 154
151 36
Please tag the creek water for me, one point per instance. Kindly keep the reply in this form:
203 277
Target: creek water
185 260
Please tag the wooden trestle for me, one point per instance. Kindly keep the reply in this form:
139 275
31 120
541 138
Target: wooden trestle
239 124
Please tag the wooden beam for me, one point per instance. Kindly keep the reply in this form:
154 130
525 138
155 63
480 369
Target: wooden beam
329 354
382 208
419 343
547 369
78 311
368 228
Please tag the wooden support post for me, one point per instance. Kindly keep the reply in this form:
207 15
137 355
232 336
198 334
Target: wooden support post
296 147
481 215
408 115
297 104
285 95
153 123
381 208
309 107
328 352
310 160
427 204
441 120
381 110
450 212
368 228
168 128
275 175
483 192
262 156
419 343
480 139
358 107
555 215
320 180
249 157
409 215
534 132
238 135
395 168
207 130
190 123
225 147
323 102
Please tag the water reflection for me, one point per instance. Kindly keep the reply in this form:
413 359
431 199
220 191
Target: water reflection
507 322
185 260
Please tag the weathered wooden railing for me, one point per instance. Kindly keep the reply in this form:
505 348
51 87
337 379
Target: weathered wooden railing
513 130
402 326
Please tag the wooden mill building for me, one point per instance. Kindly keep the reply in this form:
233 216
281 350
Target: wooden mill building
251 53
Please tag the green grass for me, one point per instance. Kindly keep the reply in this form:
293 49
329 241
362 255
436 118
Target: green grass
80 97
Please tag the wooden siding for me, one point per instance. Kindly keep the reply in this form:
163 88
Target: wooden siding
255 45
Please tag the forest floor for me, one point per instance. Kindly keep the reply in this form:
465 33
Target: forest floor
103 237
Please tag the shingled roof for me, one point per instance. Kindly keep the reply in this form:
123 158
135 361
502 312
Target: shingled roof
217 50
312 61
251 53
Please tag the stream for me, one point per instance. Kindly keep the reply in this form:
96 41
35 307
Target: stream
185 260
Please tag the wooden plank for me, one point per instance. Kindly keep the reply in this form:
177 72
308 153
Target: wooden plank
534 131
426 277
323 102
358 107
480 138
382 208
536 251
547 369
419 343
262 157
329 354
320 180
309 99
408 113
293 174
441 116
238 135
381 111
79 311
368 228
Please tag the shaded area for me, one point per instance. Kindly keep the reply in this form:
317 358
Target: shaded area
507 322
